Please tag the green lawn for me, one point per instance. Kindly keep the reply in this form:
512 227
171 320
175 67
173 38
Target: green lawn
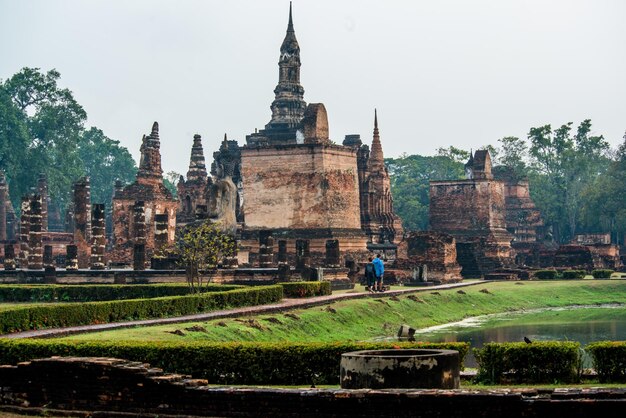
365 319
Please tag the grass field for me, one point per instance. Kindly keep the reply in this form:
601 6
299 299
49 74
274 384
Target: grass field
363 319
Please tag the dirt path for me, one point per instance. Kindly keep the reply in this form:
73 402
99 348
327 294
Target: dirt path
284 305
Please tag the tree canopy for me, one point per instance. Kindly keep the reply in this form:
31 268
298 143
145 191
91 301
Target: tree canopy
42 130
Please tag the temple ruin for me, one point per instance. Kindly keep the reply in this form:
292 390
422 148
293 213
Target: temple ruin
473 211
149 189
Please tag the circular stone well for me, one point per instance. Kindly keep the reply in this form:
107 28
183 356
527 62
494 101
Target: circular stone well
401 368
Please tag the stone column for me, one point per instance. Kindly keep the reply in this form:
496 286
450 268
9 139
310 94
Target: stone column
71 258
139 222
139 257
82 207
11 223
98 240
42 187
24 231
35 254
303 254
9 257
161 221
281 258
266 249
333 257
48 258
4 196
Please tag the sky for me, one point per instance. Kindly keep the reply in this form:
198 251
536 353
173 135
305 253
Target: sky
440 73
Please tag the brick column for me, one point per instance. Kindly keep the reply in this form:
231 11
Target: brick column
3 207
35 254
82 208
161 236
48 258
139 256
266 249
42 187
333 257
9 257
71 258
303 254
281 257
24 228
98 240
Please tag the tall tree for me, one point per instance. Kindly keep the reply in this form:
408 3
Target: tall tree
562 165
54 121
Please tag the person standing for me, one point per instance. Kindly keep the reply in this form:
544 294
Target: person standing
379 268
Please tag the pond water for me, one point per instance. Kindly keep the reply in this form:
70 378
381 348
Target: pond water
584 324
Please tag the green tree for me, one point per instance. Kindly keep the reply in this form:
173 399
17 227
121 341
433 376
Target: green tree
14 143
54 122
604 200
410 176
104 161
200 248
562 165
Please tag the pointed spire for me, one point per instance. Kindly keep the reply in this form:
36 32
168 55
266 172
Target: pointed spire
376 154
197 167
290 25
150 160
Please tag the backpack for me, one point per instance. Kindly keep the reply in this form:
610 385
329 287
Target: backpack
369 268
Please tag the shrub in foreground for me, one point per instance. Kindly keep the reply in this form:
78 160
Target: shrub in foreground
71 314
602 274
609 360
220 363
305 289
574 274
546 274
96 292
537 362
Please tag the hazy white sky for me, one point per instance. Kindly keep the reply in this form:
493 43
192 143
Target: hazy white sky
445 72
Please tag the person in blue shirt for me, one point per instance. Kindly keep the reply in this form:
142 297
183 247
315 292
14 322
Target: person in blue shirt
379 269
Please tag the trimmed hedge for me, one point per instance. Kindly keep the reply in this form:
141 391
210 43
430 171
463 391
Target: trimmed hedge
305 289
71 314
220 363
574 274
602 273
609 360
97 292
546 274
537 362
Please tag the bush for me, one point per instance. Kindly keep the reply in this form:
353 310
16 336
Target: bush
537 362
305 289
574 274
97 292
609 360
71 314
602 274
220 363
546 274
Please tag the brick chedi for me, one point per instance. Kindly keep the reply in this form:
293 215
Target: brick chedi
378 220
473 212
149 189
296 182
192 192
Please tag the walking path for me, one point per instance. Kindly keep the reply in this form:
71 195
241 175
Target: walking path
283 305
